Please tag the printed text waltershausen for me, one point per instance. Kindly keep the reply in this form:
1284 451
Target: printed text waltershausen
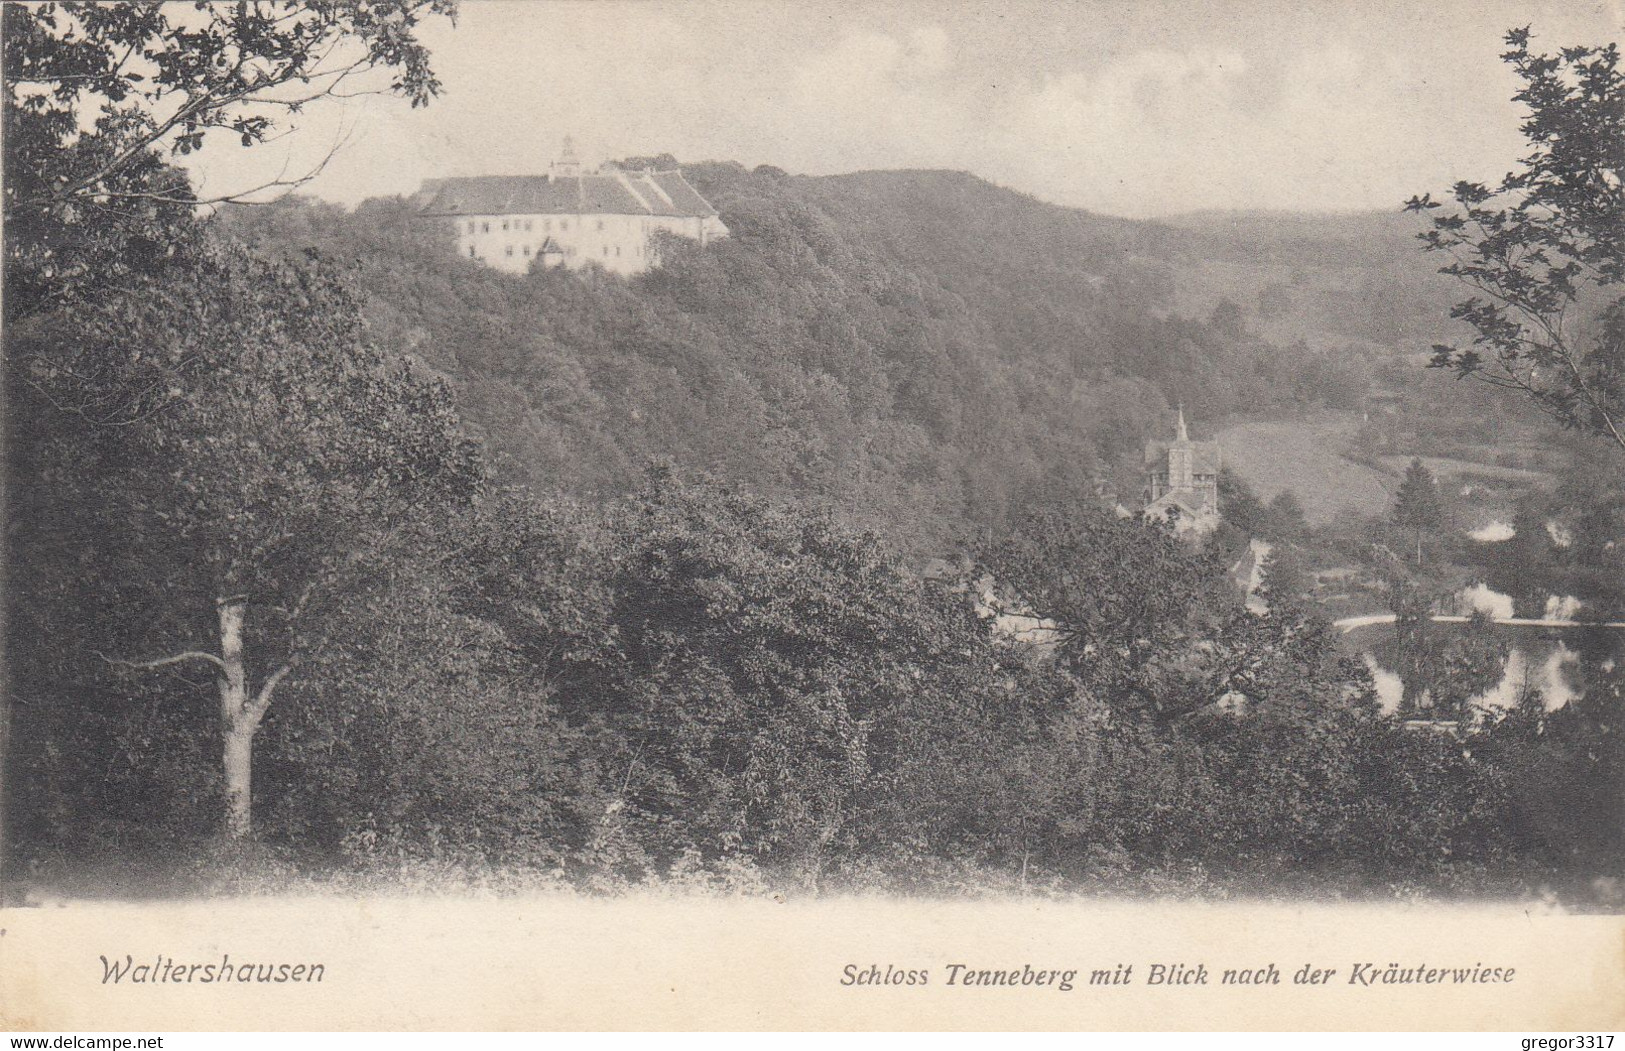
168 969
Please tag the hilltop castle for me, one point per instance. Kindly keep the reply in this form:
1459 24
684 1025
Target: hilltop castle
569 217
1182 481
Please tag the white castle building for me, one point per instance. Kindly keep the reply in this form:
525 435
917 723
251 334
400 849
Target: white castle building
569 217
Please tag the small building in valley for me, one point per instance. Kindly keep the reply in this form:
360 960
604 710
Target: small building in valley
1182 481
569 217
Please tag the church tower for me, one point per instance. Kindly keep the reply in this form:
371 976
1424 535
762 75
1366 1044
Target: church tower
1181 469
1182 480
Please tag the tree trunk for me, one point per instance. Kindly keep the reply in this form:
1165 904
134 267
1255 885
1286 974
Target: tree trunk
236 731
240 716
239 767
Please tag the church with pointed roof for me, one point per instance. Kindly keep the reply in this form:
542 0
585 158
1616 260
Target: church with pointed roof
569 217
1182 481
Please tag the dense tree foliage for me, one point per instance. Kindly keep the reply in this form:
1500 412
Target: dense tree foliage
1566 541
271 456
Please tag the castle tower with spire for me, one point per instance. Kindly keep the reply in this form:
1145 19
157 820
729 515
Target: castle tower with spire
568 166
1182 480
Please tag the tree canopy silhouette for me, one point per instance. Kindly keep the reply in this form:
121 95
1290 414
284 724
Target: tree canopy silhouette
1543 247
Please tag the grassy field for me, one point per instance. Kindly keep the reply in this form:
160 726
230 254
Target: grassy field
1446 469
1306 457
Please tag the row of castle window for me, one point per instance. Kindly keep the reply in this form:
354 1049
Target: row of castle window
517 224
569 250
484 226
525 249
473 253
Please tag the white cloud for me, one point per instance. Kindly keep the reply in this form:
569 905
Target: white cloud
1134 111
881 100
929 52
1205 128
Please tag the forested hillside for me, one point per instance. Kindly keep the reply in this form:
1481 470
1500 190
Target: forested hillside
922 351
1330 280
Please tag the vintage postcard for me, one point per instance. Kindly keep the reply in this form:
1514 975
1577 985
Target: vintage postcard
732 515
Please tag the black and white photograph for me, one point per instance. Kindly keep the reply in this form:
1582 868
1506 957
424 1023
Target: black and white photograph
810 506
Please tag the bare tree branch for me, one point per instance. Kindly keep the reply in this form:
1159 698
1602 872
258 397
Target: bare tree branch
190 655
262 700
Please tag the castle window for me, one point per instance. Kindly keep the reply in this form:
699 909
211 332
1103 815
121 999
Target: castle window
600 224
525 249
504 224
508 250
471 225
471 251
485 228
564 224
527 224
617 250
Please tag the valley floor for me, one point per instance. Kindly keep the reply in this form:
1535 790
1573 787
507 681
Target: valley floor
1306 456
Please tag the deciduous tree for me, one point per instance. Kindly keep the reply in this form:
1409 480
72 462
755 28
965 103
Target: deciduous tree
99 98
1125 597
1545 247
221 446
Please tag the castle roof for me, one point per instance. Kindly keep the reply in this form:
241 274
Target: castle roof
611 192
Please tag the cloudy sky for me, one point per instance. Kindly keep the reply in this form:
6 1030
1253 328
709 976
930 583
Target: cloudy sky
1134 108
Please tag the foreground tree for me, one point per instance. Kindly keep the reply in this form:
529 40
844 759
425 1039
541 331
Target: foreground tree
768 672
220 454
1545 245
1126 598
100 97
99 100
